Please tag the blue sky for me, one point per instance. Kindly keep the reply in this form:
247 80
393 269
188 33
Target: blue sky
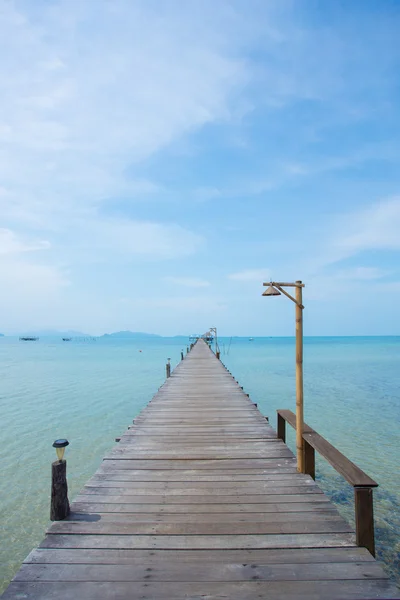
159 160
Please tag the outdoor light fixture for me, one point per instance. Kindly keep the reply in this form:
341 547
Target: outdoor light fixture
271 291
60 446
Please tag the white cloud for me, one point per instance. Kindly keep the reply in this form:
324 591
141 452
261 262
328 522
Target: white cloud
113 239
252 187
259 275
11 243
376 227
80 104
188 281
362 274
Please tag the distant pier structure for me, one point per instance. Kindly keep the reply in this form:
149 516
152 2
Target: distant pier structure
208 337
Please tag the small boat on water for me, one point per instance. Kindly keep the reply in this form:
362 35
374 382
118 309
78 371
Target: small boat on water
251 339
28 339
66 339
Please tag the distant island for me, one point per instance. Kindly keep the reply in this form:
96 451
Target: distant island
1 334
131 334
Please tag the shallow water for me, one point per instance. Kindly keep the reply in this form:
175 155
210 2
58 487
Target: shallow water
89 391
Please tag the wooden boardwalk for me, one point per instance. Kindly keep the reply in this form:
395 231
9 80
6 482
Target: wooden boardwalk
200 500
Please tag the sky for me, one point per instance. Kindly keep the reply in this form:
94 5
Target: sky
161 159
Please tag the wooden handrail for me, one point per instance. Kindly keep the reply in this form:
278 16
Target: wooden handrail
352 474
361 482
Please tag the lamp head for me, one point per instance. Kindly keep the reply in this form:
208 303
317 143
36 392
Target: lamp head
60 446
271 291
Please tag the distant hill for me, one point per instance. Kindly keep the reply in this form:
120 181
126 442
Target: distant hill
130 335
1 334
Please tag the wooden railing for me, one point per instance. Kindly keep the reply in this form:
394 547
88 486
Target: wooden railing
362 484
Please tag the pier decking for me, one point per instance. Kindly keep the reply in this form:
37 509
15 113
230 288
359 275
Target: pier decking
200 499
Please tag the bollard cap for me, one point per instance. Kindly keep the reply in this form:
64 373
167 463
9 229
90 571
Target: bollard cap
60 443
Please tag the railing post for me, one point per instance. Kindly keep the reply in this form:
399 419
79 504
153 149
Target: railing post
364 513
309 459
168 368
281 428
181 354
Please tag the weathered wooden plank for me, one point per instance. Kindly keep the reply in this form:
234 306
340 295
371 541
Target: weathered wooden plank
200 454
154 527
133 446
147 471
92 506
118 488
208 477
192 489
172 571
149 557
225 464
268 590
280 481
206 517
165 499
198 542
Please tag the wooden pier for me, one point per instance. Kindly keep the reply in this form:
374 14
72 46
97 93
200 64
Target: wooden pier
200 499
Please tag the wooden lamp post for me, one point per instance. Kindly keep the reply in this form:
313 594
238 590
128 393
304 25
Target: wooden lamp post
276 289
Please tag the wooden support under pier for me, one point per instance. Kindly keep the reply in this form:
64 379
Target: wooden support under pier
201 499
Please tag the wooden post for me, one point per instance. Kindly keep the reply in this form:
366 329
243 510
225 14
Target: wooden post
364 514
181 354
217 354
59 508
168 369
281 427
187 349
299 378
309 459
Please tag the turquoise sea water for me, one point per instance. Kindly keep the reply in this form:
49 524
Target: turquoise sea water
89 391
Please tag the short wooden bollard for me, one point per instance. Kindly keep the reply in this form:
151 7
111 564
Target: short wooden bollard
217 354
181 354
59 508
168 368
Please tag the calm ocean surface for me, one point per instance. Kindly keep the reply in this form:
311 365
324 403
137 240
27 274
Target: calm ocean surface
89 391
